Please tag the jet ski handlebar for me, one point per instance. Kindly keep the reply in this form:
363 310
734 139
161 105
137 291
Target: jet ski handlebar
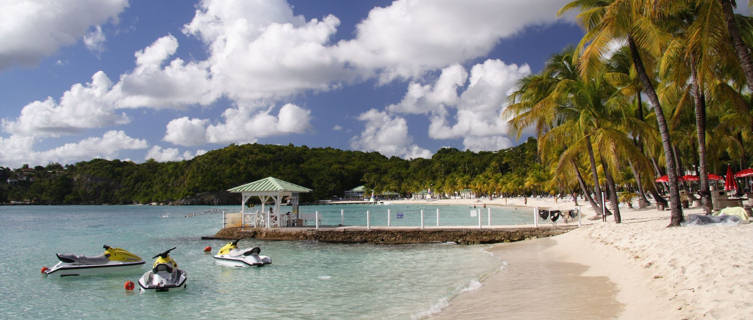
164 254
235 243
105 247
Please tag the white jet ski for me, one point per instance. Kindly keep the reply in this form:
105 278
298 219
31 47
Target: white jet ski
114 260
164 276
229 255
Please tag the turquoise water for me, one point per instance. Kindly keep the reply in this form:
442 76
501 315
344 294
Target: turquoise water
410 215
307 280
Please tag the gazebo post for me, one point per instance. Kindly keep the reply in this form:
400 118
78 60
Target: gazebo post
244 198
263 199
277 209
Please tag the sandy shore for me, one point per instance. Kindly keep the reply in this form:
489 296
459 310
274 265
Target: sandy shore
635 270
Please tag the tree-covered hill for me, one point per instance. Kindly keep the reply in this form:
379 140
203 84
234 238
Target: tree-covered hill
329 172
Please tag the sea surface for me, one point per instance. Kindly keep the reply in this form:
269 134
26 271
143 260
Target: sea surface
307 280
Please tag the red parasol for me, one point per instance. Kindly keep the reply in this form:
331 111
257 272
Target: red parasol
744 173
663 178
715 177
688 177
729 181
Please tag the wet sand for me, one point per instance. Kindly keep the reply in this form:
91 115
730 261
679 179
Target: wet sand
536 284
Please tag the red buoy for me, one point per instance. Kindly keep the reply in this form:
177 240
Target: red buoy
45 269
208 249
128 285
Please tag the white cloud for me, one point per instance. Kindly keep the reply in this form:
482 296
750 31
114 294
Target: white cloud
477 116
95 40
81 107
423 99
242 125
388 135
105 147
410 37
34 29
489 143
171 154
186 132
17 150
260 51
261 54
337 127
175 85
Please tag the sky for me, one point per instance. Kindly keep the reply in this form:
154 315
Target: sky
172 79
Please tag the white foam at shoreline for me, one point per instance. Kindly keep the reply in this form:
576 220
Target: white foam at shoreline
434 309
473 285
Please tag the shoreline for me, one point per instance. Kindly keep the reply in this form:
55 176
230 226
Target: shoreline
688 272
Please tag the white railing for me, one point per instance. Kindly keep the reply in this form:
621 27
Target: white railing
395 218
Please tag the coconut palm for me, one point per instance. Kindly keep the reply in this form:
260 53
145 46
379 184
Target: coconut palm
622 75
535 104
608 20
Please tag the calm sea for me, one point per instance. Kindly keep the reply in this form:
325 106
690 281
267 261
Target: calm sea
307 280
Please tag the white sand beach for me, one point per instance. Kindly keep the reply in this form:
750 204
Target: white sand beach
638 269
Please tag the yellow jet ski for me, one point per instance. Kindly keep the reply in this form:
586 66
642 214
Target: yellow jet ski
113 260
230 255
164 275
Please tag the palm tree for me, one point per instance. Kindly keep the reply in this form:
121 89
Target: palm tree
607 20
536 104
622 75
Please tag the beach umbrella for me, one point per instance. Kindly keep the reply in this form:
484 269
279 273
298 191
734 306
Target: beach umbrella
663 178
714 177
744 173
729 181
689 177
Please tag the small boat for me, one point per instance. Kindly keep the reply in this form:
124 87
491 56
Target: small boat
164 275
229 255
114 260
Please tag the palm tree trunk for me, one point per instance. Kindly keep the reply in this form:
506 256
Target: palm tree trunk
638 181
612 192
676 216
700 123
746 61
594 172
656 167
659 199
678 164
583 188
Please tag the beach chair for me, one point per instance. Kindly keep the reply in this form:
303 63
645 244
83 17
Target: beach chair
719 201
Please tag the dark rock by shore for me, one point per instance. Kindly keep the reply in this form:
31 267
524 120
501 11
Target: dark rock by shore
393 235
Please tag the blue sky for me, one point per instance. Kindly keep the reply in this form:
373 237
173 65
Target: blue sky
172 79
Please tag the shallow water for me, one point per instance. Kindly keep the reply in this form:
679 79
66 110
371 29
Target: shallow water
307 280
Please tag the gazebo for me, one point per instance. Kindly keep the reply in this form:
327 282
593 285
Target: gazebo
269 187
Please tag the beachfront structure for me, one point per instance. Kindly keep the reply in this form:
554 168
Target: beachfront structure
269 187
423 194
389 195
356 193
467 194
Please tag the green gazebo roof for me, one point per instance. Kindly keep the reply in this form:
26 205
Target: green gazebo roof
358 189
270 184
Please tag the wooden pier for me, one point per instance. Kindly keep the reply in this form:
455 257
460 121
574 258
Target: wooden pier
396 235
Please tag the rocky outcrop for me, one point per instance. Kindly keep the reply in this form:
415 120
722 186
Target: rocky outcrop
394 236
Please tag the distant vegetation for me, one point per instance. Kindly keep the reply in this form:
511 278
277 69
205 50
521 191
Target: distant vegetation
328 171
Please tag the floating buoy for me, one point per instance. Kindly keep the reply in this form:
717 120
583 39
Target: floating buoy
44 269
128 285
208 249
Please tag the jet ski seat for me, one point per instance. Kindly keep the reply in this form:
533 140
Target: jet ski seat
163 267
76 259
